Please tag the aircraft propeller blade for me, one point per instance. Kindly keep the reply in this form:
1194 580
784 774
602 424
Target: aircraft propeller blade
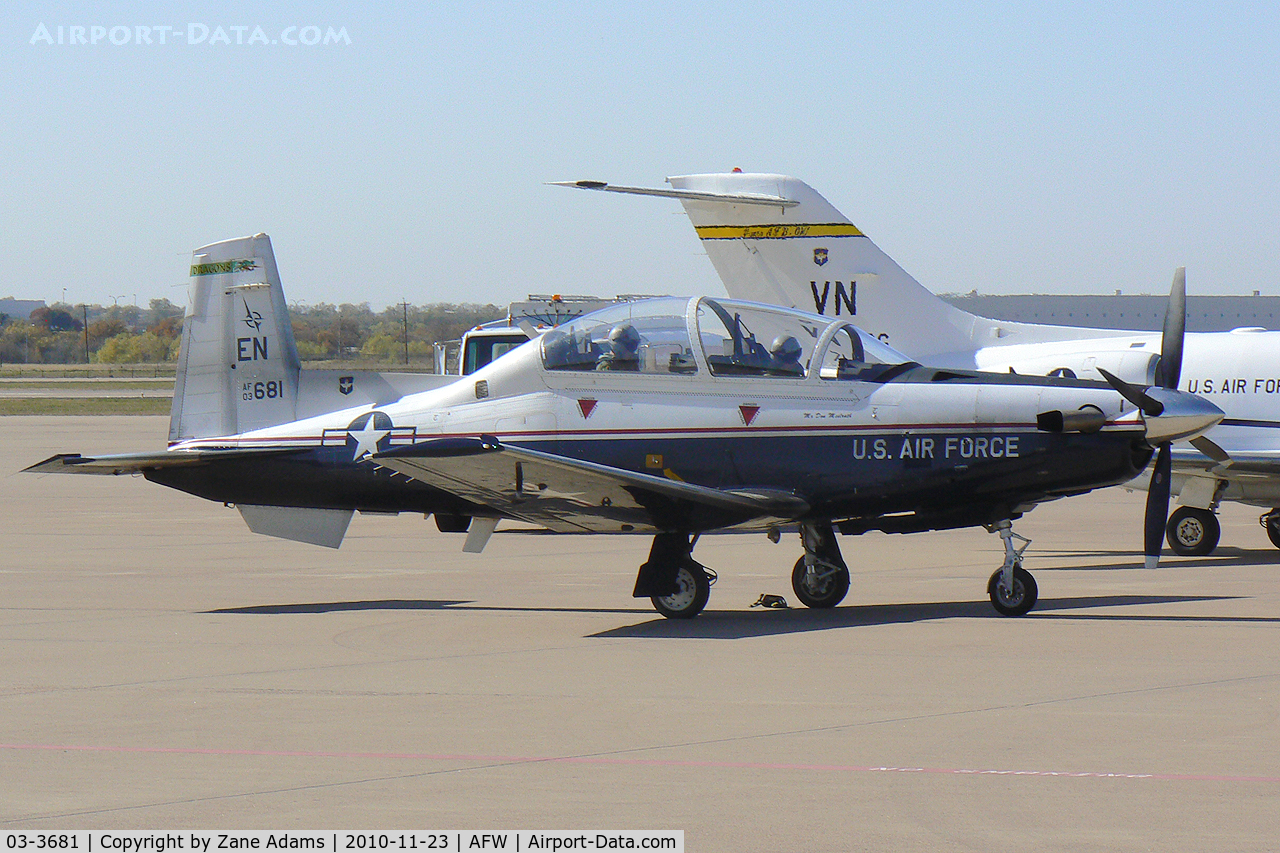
1211 449
1175 328
1149 405
1169 368
1168 373
1157 506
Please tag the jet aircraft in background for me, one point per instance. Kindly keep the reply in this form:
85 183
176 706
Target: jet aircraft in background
672 417
773 238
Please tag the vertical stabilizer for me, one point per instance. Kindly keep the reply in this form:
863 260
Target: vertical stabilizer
774 239
238 369
806 254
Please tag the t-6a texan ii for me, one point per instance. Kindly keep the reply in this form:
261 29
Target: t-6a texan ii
669 417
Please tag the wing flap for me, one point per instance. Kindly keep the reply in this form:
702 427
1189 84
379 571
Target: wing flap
571 495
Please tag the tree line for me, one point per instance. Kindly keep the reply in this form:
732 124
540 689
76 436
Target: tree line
62 333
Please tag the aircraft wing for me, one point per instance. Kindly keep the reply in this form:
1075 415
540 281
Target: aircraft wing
135 463
572 496
1246 463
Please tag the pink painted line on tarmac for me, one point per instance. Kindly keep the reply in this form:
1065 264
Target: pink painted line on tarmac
639 762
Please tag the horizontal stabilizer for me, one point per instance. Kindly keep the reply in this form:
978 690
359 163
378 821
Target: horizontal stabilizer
572 496
324 390
687 195
135 463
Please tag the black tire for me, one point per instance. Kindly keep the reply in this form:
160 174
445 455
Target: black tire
828 592
1273 527
688 601
447 522
1193 532
1025 593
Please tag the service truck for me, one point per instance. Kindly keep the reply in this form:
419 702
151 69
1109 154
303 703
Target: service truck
524 320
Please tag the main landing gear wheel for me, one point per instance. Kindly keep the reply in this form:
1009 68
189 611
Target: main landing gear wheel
677 584
694 588
823 587
1270 521
1193 532
1020 600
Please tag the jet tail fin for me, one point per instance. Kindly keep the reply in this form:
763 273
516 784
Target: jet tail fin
809 255
238 368
775 239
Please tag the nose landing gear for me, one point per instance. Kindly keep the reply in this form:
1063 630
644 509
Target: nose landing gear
1012 589
820 578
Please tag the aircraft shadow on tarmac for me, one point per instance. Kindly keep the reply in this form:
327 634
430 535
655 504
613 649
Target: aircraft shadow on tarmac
741 624
407 604
730 625
1123 559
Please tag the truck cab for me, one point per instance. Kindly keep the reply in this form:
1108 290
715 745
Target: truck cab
525 320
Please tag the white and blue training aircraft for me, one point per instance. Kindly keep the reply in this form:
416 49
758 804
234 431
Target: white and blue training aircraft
670 417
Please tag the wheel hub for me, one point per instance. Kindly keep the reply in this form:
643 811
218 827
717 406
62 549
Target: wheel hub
1013 598
683 597
819 585
1190 531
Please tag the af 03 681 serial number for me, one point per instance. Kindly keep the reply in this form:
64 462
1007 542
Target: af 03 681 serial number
262 390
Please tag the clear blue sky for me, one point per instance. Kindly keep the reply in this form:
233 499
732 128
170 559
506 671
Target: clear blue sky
1010 148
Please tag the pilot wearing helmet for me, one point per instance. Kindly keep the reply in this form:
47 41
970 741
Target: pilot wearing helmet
784 356
624 349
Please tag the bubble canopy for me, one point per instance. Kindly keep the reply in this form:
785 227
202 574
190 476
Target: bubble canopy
722 337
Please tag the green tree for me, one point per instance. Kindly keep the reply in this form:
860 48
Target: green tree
127 348
55 320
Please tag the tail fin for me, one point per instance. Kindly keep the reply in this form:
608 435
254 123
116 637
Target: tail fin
809 255
238 368
773 238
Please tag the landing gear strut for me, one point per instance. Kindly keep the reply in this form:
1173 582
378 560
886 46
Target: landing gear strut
1012 588
677 584
820 577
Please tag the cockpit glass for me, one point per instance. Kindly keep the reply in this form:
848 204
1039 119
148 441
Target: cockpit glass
650 336
853 354
752 340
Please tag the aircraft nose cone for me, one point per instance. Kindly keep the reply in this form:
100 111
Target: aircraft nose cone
1184 416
